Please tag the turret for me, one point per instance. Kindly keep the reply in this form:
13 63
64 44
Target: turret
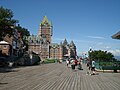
45 29
65 42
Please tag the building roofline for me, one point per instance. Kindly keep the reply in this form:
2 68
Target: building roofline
116 36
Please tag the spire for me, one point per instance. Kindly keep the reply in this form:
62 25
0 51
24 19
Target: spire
72 43
51 23
45 21
60 43
65 42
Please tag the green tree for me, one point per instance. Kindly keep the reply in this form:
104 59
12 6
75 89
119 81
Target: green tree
24 33
6 22
101 55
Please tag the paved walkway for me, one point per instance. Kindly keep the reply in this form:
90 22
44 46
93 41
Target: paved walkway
57 77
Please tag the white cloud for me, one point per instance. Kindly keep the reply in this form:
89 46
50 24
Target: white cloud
96 37
115 52
85 41
107 47
100 43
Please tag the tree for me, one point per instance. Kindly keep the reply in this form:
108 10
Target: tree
8 25
101 55
6 22
23 33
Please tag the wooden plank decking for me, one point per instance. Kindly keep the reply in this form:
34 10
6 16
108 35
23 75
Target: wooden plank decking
57 77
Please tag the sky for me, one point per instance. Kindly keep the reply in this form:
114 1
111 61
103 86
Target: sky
89 23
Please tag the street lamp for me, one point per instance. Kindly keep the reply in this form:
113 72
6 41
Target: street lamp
90 53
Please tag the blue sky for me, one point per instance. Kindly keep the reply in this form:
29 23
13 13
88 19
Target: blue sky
89 23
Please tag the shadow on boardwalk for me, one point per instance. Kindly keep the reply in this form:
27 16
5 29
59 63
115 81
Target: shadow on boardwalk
57 76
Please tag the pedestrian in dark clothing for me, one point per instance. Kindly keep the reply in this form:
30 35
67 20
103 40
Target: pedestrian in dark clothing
75 61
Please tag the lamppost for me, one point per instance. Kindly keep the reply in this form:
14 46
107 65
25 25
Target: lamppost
54 53
90 53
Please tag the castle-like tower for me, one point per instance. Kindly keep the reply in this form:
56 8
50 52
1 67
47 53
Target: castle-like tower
45 35
43 46
45 30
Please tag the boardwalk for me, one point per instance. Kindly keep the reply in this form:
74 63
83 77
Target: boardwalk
57 77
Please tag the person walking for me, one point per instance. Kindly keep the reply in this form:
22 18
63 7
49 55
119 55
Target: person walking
88 67
73 64
79 65
67 61
75 61
93 67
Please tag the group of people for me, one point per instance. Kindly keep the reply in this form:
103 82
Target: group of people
73 63
91 67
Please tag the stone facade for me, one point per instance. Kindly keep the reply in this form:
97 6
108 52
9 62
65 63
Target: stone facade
15 44
43 46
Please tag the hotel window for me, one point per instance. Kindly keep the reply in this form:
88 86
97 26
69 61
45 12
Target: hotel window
5 47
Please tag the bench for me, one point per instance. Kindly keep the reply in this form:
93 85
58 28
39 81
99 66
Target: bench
115 68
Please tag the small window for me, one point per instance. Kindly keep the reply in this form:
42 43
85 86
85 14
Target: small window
4 46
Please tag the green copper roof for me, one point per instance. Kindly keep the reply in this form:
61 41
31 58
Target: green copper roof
45 20
54 45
